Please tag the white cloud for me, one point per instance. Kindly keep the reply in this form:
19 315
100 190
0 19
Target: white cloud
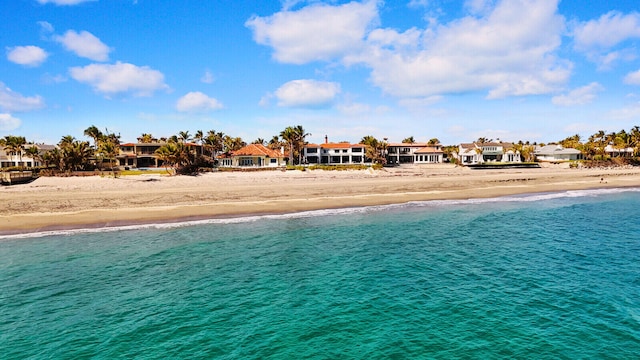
8 122
630 112
64 2
208 77
12 101
119 78
414 103
504 52
197 101
507 49
27 55
353 108
307 93
84 44
46 26
580 96
609 30
598 38
316 32
632 78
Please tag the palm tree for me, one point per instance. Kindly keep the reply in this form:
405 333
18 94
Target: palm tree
184 136
169 154
275 143
571 142
599 142
34 153
213 141
94 133
374 149
146 138
14 146
258 141
634 136
434 141
233 143
66 140
54 157
288 136
300 136
409 140
110 150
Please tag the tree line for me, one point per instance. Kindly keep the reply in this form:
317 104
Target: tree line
178 152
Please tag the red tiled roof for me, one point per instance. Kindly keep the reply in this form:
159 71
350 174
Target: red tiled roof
257 150
428 150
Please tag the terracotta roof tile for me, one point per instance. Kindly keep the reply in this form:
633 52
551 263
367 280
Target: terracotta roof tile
257 150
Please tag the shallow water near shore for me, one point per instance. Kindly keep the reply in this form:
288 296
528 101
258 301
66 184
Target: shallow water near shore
545 276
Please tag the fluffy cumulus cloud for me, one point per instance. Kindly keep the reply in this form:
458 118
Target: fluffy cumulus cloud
507 52
307 93
64 2
603 40
27 55
120 77
11 101
506 48
197 101
84 44
8 122
316 32
607 31
580 96
632 78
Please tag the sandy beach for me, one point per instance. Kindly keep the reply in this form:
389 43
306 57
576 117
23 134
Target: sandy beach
53 203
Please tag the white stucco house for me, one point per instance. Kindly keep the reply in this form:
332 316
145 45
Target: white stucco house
553 153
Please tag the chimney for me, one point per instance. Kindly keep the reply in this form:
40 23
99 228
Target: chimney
326 139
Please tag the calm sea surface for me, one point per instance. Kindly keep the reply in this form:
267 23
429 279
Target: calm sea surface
541 276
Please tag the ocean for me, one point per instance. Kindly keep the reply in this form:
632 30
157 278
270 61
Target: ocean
545 276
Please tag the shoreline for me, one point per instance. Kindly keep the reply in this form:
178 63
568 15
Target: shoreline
62 204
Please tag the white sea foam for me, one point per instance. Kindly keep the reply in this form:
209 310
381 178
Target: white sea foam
330 212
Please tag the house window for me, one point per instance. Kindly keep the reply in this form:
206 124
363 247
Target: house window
356 150
312 150
273 161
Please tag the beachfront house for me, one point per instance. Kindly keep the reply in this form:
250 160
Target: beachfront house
556 153
143 155
9 159
615 151
254 156
343 153
481 152
414 153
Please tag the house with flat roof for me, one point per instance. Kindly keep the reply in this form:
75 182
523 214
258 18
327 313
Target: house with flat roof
8 160
553 153
143 155
342 153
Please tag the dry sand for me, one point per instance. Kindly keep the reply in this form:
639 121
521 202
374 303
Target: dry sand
51 203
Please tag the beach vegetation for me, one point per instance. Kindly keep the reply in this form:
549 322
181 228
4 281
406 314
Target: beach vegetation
376 150
14 146
295 138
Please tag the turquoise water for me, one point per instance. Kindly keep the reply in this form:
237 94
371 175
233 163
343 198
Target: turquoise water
543 276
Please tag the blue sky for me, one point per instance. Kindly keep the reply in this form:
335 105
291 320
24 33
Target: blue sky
536 70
